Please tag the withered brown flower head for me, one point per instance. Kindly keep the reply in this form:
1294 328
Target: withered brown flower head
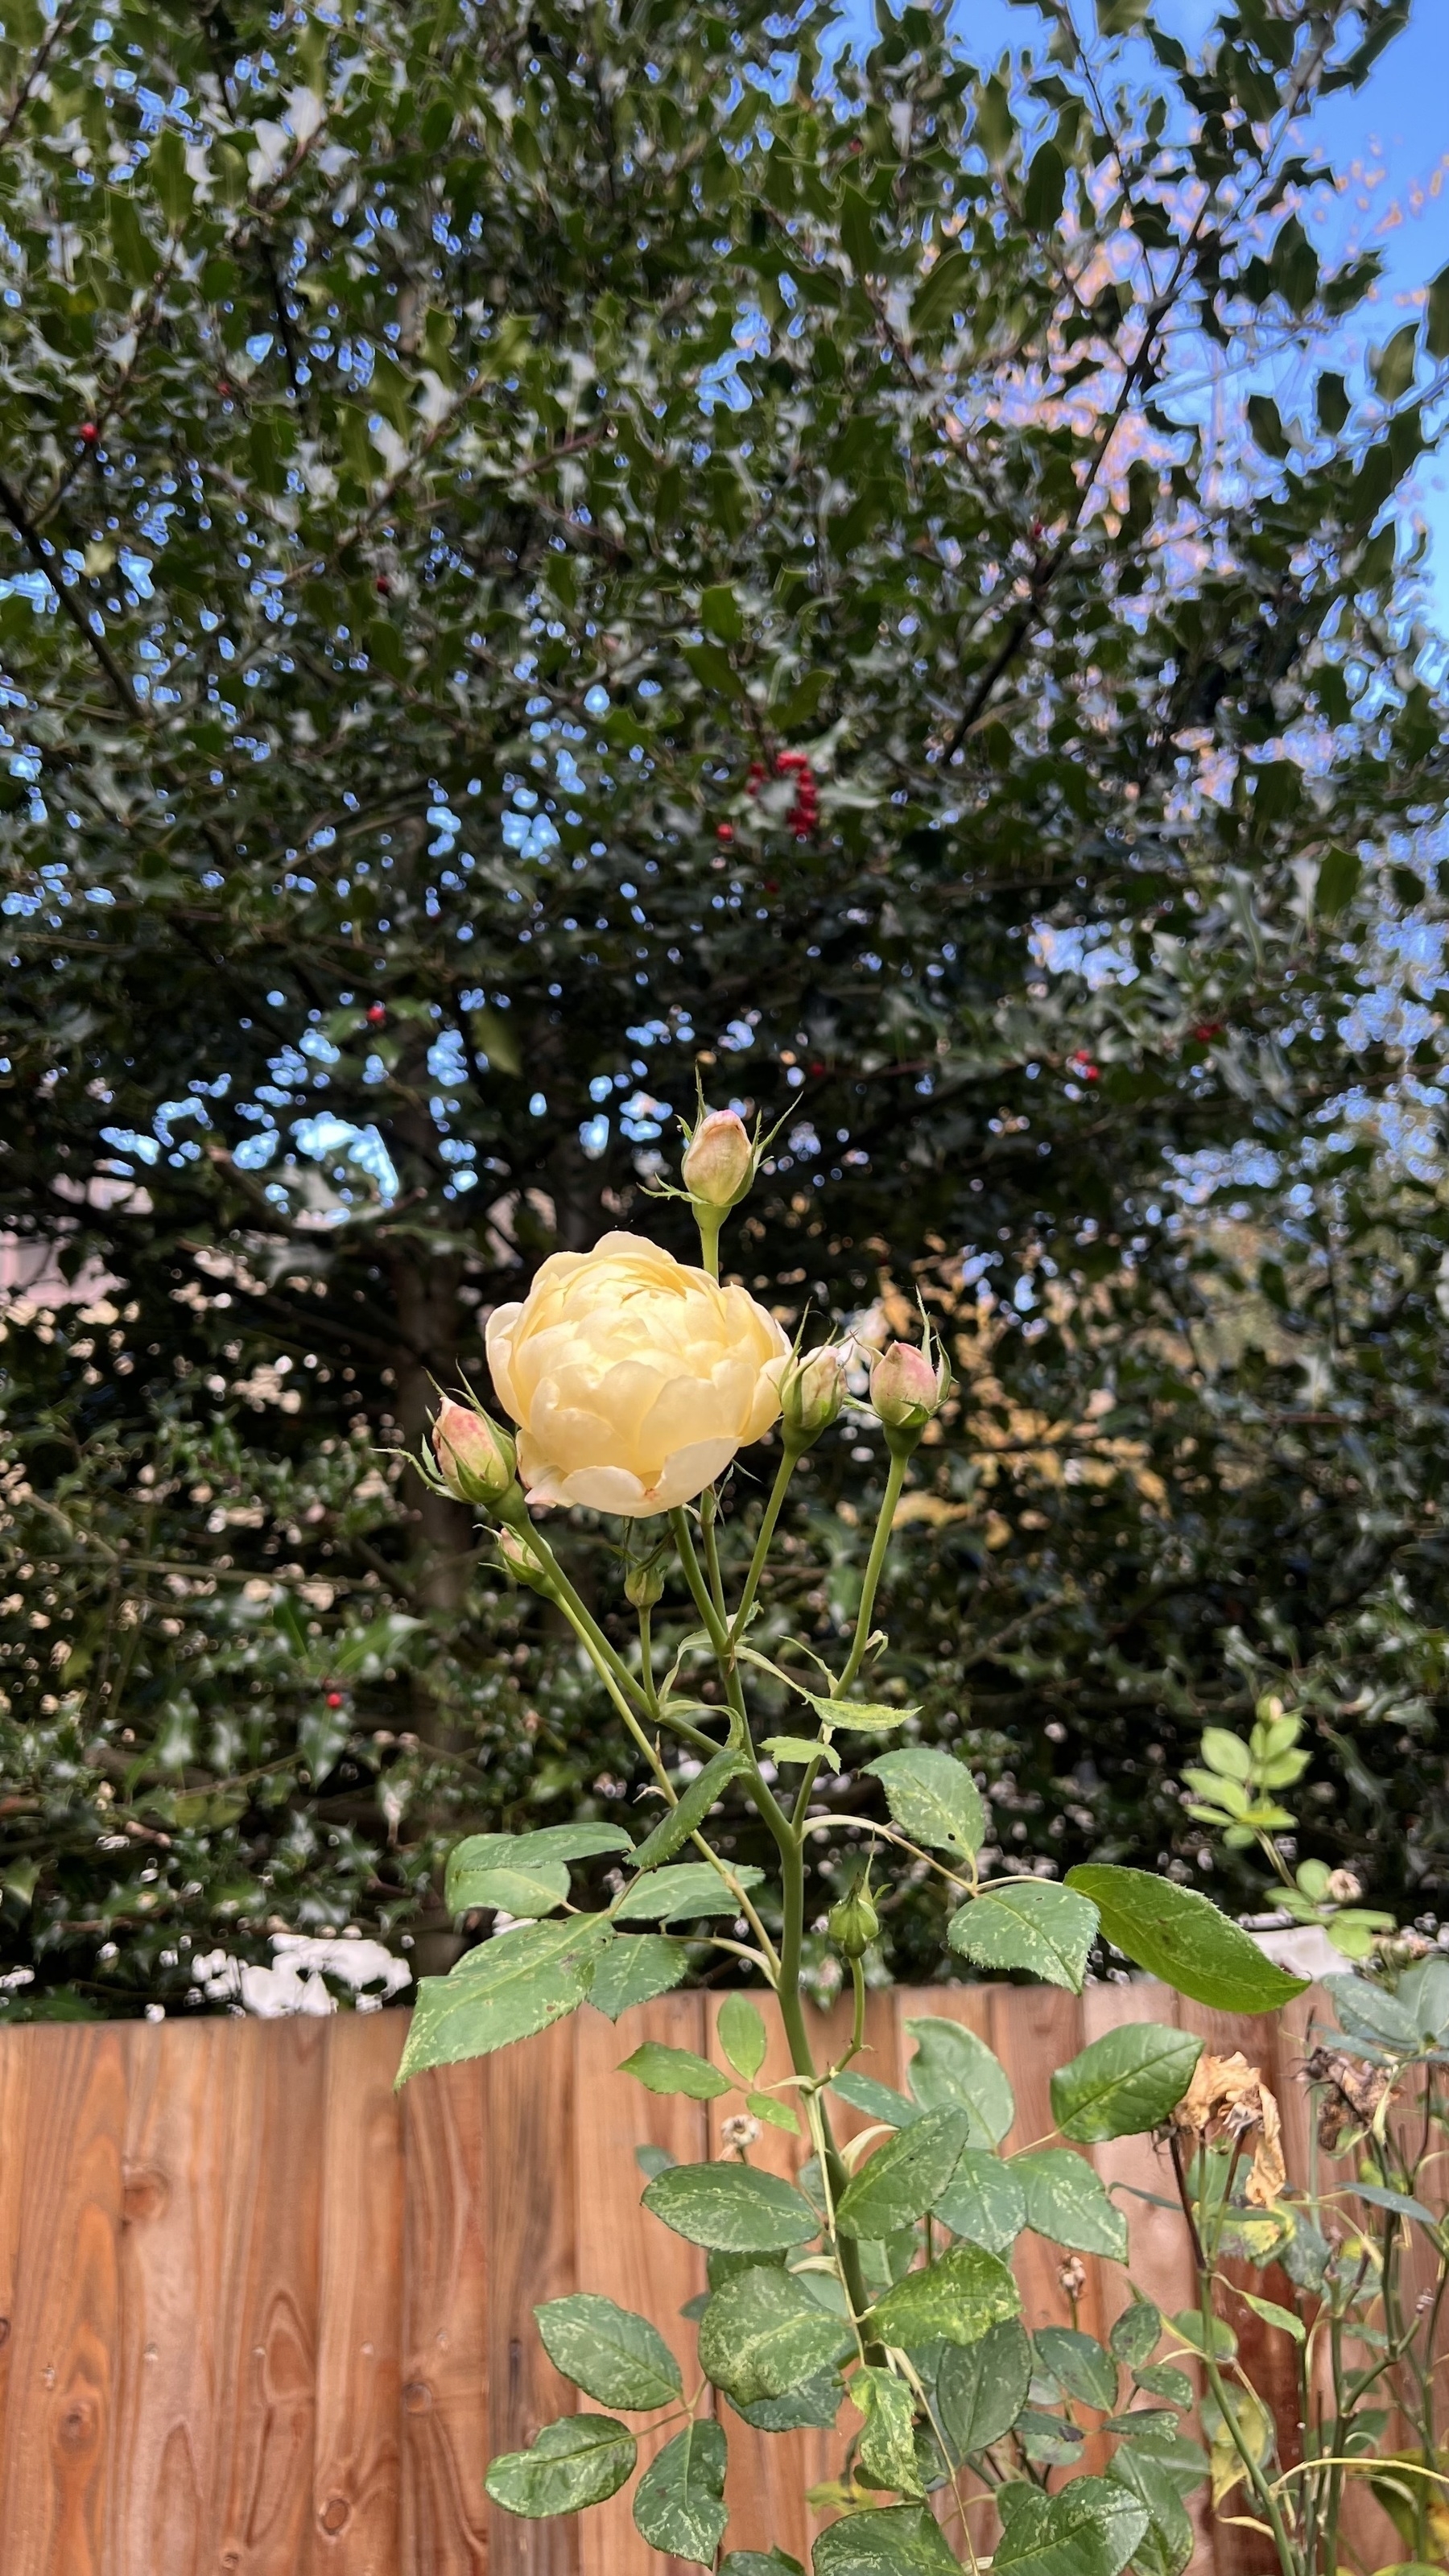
1352 2094
1228 2101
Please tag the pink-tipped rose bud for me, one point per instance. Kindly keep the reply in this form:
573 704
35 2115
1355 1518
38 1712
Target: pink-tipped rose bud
474 1457
812 1392
907 1386
719 1161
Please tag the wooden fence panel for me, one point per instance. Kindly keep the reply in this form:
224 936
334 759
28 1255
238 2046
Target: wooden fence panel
262 2315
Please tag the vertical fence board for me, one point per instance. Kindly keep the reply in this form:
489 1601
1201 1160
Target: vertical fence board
533 2116
175 2251
621 2250
357 2474
265 2329
60 2439
447 2295
15 2073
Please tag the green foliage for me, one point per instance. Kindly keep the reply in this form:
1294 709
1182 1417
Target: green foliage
731 2207
1027 1923
385 451
608 2352
578 2461
905 2178
1124 2082
679 2501
1176 1934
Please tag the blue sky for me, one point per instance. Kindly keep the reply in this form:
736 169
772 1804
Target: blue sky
1389 141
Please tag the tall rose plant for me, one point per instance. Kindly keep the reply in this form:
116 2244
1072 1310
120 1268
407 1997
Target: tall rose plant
875 2291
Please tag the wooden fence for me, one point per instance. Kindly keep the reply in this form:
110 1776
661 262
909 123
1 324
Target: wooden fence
261 2316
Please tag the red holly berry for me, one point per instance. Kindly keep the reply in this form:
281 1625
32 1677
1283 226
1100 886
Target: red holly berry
376 1014
817 1066
334 1699
757 772
787 761
1084 1069
383 586
1206 1031
89 433
772 885
724 832
223 387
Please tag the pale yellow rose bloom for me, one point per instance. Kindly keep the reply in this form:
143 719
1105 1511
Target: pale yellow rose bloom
632 1377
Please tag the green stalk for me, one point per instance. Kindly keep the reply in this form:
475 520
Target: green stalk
900 1459
591 1634
783 1474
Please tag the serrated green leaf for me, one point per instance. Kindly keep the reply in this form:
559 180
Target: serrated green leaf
1181 1937
1090 2529
1274 2315
1167 2544
507 1989
679 2503
1067 2202
981 2387
958 2300
904 2178
887 2445
1079 2365
583 1841
760 2562
636 1969
732 2207
675 2070
878 2101
800 1749
1124 2082
679 1822
1135 2335
523 1892
777 2115
814 2404
933 1798
1027 1923
762 2334
857 1716
953 2068
1162 2379
983 2201
576 2462
609 2352
687 1890
898 2540
742 2035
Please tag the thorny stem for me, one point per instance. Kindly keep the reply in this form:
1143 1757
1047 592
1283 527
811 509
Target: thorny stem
1252 2466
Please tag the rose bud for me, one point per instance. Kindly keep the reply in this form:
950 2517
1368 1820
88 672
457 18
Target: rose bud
719 1161
475 1459
812 1392
1345 1887
907 1386
854 1922
644 1583
521 1562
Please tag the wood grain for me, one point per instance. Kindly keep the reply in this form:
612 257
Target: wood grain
61 2424
357 2470
444 2428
